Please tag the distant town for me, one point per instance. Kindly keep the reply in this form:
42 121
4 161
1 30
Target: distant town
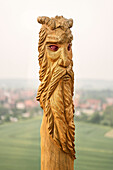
18 104
91 105
21 104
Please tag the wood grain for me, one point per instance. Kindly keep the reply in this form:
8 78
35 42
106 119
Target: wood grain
55 93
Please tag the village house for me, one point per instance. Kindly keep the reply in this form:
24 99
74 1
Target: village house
13 119
109 101
26 115
20 105
90 106
94 104
29 103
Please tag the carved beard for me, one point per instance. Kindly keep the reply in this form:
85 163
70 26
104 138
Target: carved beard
59 108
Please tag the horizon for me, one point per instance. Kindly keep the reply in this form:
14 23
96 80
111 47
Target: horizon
79 84
89 79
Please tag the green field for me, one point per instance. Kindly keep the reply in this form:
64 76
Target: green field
20 146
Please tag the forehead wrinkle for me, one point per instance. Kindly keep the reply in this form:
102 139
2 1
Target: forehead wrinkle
57 39
52 39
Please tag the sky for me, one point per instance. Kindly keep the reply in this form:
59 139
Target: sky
92 31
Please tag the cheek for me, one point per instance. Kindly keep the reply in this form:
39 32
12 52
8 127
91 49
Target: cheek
53 55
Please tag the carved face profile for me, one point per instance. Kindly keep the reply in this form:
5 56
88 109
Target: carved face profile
54 48
56 75
58 49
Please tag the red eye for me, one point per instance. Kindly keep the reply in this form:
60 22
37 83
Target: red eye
53 47
69 47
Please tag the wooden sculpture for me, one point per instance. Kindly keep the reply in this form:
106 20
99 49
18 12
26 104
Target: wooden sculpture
55 93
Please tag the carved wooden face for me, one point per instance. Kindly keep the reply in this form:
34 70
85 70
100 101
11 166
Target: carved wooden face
58 49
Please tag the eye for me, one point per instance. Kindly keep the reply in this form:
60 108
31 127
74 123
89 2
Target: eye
69 47
53 47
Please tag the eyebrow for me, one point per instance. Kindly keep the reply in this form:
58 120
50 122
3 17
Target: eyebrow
56 42
53 40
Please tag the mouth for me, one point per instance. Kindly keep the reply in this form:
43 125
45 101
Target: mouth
67 76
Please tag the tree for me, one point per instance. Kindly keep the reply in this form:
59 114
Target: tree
108 115
7 118
95 118
3 111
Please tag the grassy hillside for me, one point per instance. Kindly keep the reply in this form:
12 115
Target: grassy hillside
94 151
20 146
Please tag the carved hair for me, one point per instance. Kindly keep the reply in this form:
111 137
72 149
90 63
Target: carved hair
58 21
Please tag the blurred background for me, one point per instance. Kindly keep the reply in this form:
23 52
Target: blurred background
20 113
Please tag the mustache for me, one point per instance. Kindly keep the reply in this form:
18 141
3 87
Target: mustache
58 73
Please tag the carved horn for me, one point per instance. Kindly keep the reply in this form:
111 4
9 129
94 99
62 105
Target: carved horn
43 20
46 20
70 22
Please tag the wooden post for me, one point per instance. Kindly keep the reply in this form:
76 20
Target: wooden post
55 93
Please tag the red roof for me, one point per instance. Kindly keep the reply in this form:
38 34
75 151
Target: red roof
93 101
29 103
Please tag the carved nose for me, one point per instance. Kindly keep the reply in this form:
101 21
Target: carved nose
63 63
63 60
